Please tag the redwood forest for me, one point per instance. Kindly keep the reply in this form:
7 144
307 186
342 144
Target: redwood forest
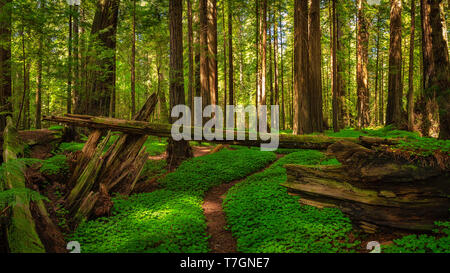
224 126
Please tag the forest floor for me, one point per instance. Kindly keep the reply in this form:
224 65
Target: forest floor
221 239
228 201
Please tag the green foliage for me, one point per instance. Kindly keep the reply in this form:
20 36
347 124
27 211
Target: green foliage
201 173
423 243
70 147
9 197
56 127
264 218
153 168
411 141
155 145
55 165
424 146
161 221
170 219
15 168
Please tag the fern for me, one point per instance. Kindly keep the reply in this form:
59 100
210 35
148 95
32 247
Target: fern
14 168
9 197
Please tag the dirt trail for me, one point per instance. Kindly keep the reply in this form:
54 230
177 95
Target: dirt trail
221 240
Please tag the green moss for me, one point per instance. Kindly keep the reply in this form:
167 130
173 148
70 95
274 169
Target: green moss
70 147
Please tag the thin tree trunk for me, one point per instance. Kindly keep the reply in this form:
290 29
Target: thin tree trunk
258 83
24 67
76 59
263 54
133 62
283 114
204 63
334 82
362 61
212 50
411 69
69 64
230 57
375 110
224 62
5 61
190 56
270 62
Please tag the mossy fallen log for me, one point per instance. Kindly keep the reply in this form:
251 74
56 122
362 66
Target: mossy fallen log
21 231
374 189
318 142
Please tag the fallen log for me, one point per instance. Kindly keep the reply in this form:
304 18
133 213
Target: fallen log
374 189
98 172
318 142
21 231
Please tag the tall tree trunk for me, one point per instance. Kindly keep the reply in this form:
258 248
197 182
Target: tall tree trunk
302 116
212 50
164 113
394 111
382 91
190 56
101 59
177 150
275 59
334 80
258 72
39 86
440 80
230 57
133 62
204 63
24 70
361 72
76 59
340 66
69 65
411 69
5 61
263 54
377 72
315 56
224 30
81 99
197 86
270 36
283 114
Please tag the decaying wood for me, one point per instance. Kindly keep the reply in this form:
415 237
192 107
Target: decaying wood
374 189
98 172
318 142
21 232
